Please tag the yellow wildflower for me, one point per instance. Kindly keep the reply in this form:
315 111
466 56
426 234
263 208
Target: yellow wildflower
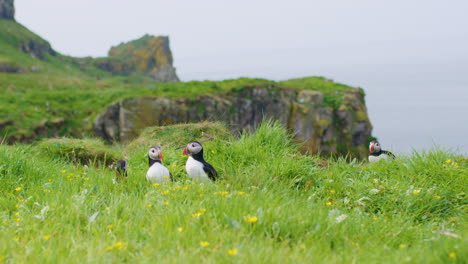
416 192
166 203
204 243
232 252
225 194
155 184
17 214
448 161
63 171
452 255
46 237
240 193
85 178
18 219
16 239
166 177
328 203
250 219
49 180
196 215
119 245
110 226
166 192
180 229
18 206
332 191
403 245
148 206
437 197
18 189
202 211
374 218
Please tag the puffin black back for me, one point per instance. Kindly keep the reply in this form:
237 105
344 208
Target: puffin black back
121 169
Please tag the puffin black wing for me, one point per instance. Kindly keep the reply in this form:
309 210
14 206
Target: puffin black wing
391 155
210 171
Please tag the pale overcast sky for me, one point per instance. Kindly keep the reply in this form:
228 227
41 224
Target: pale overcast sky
216 39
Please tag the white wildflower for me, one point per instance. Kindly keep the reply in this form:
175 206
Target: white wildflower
361 200
340 218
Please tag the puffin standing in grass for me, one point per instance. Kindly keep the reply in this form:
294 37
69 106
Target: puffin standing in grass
120 170
157 173
377 154
196 166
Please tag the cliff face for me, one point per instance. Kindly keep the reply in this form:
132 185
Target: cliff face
319 128
148 55
7 9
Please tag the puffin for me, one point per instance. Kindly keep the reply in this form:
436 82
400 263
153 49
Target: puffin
377 154
196 166
157 173
120 170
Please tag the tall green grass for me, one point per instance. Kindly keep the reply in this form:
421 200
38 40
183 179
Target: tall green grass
272 205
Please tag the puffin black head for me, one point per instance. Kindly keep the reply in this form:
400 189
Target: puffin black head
374 147
121 168
193 148
155 153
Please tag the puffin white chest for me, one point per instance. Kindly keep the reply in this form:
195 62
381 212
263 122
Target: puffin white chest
378 158
157 173
195 170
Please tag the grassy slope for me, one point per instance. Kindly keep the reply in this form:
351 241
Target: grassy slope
63 90
410 210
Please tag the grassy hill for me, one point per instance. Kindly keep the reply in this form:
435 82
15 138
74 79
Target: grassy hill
56 95
272 205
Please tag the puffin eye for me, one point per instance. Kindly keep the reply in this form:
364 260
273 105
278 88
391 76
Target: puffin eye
193 145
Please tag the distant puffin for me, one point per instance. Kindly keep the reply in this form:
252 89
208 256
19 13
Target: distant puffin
120 170
157 173
377 154
196 166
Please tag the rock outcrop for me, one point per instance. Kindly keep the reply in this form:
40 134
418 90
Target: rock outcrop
318 127
148 55
7 9
37 48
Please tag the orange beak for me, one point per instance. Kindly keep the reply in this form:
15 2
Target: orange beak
161 156
371 148
185 153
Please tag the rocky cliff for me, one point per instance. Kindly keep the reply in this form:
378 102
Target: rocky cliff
320 128
7 9
148 55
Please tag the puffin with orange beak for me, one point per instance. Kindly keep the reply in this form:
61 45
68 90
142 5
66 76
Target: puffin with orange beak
197 168
377 154
157 173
